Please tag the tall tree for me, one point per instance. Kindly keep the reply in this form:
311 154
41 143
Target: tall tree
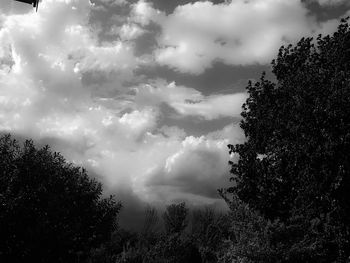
50 210
295 164
175 218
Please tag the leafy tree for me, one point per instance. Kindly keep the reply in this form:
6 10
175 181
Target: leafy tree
174 248
295 165
149 231
137 248
171 246
175 218
151 220
249 236
209 230
50 210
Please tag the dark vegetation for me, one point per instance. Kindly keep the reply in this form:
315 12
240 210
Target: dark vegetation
293 171
50 211
290 194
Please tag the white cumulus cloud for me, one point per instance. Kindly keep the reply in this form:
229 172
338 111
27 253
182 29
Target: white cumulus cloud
240 32
190 102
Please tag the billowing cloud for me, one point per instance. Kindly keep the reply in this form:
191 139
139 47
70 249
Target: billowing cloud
130 31
197 167
45 95
144 13
238 32
190 102
114 57
194 166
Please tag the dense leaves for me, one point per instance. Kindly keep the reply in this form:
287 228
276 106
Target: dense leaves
208 230
294 167
175 218
200 242
51 211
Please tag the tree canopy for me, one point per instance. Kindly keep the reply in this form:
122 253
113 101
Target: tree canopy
294 167
51 211
175 218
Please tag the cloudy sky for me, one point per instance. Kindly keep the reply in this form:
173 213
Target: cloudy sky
145 94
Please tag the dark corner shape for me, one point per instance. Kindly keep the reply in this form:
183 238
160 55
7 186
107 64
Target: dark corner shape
34 3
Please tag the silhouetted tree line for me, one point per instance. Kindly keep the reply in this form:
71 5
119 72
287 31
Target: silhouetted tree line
290 194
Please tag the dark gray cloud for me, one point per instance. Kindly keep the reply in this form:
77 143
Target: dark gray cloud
194 126
220 78
168 6
327 9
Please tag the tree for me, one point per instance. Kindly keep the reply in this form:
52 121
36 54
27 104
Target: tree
174 246
150 230
294 166
175 218
249 239
209 230
151 222
51 211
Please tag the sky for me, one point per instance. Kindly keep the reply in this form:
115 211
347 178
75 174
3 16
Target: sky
145 94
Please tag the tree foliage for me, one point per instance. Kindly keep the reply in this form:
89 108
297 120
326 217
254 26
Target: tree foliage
151 222
175 218
171 246
209 230
51 211
295 165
